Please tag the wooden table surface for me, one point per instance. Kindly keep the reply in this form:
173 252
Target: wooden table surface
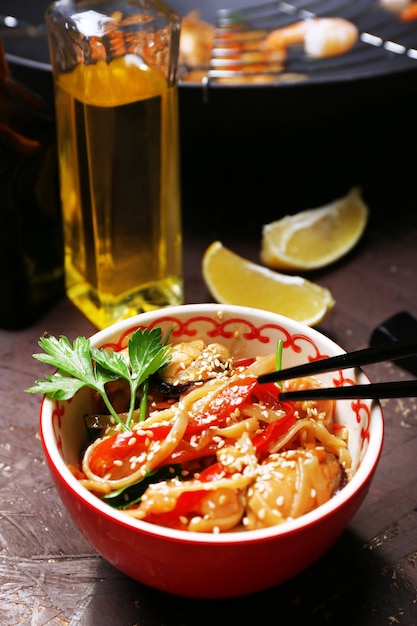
50 575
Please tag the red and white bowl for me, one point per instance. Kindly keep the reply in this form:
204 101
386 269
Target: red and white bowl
204 565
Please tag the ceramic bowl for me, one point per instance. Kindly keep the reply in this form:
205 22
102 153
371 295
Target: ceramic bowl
205 565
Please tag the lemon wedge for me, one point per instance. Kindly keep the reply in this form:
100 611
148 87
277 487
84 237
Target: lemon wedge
231 279
316 237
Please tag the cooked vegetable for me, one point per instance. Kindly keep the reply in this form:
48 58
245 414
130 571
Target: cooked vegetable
192 440
79 365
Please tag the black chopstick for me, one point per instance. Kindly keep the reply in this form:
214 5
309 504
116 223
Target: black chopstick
366 356
400 389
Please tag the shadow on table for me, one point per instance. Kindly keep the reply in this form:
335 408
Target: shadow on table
350 585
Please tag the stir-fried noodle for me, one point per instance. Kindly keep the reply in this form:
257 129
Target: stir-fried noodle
217 451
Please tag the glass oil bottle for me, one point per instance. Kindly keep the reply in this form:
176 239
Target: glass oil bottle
115 77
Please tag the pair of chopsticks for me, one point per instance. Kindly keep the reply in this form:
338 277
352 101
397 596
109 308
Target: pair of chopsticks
376 354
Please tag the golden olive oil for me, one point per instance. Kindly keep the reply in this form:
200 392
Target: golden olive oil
118 148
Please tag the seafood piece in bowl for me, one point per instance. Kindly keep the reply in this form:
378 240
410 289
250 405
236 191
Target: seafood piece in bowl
212 478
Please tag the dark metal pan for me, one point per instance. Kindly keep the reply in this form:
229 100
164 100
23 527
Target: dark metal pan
386 45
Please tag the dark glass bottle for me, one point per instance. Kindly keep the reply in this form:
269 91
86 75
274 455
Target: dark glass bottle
31 249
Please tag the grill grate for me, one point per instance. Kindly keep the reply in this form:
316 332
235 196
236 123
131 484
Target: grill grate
386 44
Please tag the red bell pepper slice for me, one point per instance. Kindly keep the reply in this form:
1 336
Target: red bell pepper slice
121 447
185 452
273 431
228 399
244 362
267 394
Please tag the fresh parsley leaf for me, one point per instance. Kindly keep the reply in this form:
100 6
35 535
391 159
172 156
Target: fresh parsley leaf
58 386
79 365
75 369
112 362
74 360
147 356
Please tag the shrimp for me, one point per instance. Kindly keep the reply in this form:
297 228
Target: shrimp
329 37
321 37
315 409
281 38
194 361
290 484
409 13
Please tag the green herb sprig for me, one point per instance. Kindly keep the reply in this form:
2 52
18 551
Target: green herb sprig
278 358
79 365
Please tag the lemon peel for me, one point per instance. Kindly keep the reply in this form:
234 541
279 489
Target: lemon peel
316 237
232 279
